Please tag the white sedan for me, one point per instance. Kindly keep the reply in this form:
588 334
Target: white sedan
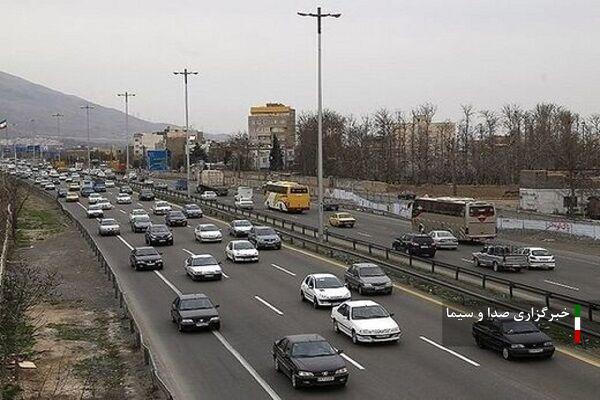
109 184
365 322
208 233
538 257
137 212
161 208
241 250
123 198
203 266
323 290
444 240
93 198
245 204
105 204
208 195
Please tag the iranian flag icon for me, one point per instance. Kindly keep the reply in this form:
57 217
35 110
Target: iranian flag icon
577 321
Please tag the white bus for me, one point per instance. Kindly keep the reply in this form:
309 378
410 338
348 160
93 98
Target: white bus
466 218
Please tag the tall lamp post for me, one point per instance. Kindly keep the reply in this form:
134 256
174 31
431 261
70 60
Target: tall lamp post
126 95
58 116
319 16
185 74
87 109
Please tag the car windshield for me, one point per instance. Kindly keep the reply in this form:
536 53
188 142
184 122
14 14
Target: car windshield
147 251
444 234
344 215
540 252
208 228
122 195
516 327
192 207
142 218
243 246
327 282
265 232
371 271
176 214
201 261
160 229
162 204
312 349
195 304
95 207
109 222
368 312
241 223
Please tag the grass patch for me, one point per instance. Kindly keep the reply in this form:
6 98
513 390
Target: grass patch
37 221
74 332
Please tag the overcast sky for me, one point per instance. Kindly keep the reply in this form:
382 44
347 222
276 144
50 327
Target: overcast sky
381 53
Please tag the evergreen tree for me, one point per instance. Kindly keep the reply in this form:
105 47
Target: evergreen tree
276 156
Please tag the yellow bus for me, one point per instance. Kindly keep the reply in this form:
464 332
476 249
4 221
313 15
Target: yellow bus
287 196
466 218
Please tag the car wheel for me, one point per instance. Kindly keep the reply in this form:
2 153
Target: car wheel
180 327
495 266
479 342
276 364
302 298
360 290
315 303
295 384
354 337
336 328
173 319
217 326
476 262
505 354
550 268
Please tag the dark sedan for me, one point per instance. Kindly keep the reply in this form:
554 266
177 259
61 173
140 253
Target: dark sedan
140 223
195 311
512 338
175 218
192 211
146 195
158 234
126 189
415 244
145 258
264 237
367 278
86 191
309 360
62 192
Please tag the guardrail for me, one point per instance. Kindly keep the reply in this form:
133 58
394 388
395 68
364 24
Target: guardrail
134 327
485 281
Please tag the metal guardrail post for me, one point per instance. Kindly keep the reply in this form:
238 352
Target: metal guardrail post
590 312
432 266
547 299
510 289
456 273
483 281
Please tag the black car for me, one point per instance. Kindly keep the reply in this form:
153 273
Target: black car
159 234
512 338
145 258
368 278
195 311
192 211
146 195
175 218
330 204
417 244
140 223
126 189
264 237
86 191
62 192
309 360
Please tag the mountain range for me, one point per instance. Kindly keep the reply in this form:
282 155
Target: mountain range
28 107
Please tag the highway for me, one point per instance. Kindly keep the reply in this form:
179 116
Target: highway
236 362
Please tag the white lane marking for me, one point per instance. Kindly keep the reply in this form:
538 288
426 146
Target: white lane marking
466 260
275 309
356 364
165 280
140 204
123 211
283 269
439 346
192 254
562 285
125 242
247 366
82 206
189 252
363 234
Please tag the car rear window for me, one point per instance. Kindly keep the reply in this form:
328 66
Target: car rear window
481 211
422 239
540 253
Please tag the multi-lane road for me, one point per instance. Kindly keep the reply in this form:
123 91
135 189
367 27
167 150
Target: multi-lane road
260 303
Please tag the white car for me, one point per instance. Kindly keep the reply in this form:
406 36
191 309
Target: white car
93 198
109 184
323 290
49 186
105 204
208 233
123 198
208 195
365 322
246 204
203 266
240 227
137 212
444 240
109 226
538 257
95 211
161 208
241 250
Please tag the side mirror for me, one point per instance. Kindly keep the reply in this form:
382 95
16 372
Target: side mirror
173 306
392 314
339 351
217 305
220 262
160 253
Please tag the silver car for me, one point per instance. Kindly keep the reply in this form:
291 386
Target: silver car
208 233
109 226
444 240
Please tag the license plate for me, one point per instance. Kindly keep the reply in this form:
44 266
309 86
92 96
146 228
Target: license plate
424 247
382 336
326 379
208 275
162 240
536 350
201 324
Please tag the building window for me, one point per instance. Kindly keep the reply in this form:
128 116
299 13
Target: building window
569 202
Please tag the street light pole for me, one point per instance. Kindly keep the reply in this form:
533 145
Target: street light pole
58 116
87 109
127 95
319 15
185 74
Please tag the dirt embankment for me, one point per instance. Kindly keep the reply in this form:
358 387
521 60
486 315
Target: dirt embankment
83 348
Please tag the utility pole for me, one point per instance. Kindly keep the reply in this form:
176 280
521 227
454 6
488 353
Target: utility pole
87 109
58 116
126 95
185 74
319 15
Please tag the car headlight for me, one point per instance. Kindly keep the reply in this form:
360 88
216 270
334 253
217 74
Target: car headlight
546 344
365 332
305 373
187 321
367 285
517 346
214 318
388 283
341 370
